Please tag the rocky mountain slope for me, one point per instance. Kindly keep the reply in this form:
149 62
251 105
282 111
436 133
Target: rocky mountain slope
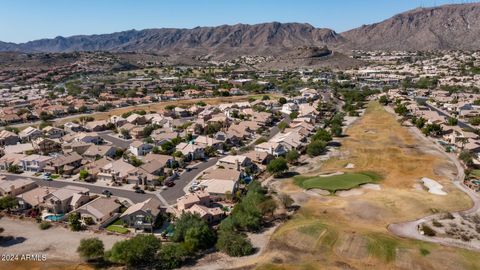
447 27
444 27
258 39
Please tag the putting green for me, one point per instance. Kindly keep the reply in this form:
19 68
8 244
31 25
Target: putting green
337 182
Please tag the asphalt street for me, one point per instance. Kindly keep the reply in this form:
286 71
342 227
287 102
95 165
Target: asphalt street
169 195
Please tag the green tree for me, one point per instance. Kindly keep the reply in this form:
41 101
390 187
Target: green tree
336 130
452 121
282 100
83 174
194 231
322 135
141 250
467 157
14 168
277 166
91 249
383 100
292 156
210 151
316 148
282 126
401 110
173 255
74 222
168 146
234 243
7 203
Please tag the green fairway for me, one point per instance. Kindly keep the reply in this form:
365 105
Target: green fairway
336 182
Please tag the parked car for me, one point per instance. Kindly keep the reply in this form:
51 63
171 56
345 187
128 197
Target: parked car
169 183
107 192
141 191
47 177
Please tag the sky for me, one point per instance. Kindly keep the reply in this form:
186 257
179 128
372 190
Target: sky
25 20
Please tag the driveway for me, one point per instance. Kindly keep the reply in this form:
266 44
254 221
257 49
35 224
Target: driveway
172 193
109 137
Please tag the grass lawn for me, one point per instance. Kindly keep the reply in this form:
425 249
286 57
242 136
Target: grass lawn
117 229
55 176
337 182
475 173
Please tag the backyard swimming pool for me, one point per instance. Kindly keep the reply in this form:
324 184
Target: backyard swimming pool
58 217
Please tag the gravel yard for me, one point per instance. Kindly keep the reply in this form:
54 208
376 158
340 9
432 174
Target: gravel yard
57 243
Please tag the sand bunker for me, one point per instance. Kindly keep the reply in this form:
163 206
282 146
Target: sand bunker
371 186
350 166
331 174
433 186
351 192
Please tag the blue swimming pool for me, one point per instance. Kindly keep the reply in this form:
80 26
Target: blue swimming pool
58 217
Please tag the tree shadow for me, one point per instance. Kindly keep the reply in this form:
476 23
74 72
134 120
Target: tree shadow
287 175
7 241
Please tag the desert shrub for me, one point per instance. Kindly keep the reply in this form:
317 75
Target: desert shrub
428 231
44 225
436 223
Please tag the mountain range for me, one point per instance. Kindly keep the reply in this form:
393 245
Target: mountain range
447 27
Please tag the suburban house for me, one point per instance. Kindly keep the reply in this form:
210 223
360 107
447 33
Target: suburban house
72 127
64 164
29 134
139 148
96 126
288 108
259 158
191 151
237 162
211 215
46 146
19 148
65 199
205 141
102 210
8 138
142 216
272 148
219 182
78 147
34 163
34 197
289 141
188 200
95 152
136 119
53 132
9 160
16 187
115 171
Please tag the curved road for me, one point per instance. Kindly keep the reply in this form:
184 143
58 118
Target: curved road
410 229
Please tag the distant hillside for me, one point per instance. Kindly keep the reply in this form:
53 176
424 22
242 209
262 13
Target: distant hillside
447 27
259 39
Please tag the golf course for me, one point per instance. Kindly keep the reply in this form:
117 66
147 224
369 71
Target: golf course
333 183
350 231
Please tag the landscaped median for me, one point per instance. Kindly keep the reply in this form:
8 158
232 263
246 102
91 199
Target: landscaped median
333 183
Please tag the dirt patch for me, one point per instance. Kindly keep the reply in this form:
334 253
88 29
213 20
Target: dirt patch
352 246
